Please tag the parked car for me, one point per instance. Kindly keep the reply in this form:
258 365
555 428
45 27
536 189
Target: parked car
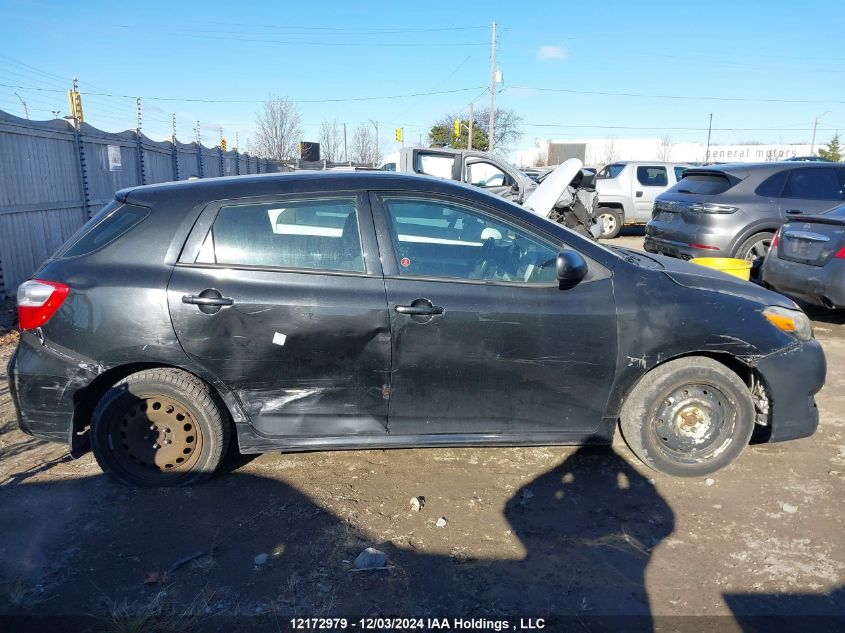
734 210
807 259
627 190
503 179
306 311
808 159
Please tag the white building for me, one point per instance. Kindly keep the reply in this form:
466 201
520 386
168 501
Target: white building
603 151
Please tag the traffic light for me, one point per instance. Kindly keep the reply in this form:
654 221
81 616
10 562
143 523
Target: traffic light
74 98
457 130
399 134
223 144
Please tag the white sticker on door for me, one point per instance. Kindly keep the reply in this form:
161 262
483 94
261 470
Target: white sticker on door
279 338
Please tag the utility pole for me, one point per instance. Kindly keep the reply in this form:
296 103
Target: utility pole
709 129
23 103
375 124
138 116
345 153
173 134
236 141
492 122
815 125
199 138
471 117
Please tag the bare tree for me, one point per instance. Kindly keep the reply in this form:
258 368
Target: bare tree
507 130
279 129
610 154
363 148
664 152
331 141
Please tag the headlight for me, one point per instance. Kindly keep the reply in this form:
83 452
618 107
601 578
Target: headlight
792 322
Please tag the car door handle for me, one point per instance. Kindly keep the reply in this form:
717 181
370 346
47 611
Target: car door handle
208 301
639 194
794 212
423 310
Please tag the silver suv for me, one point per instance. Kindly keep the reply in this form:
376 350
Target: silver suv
627 191
734 210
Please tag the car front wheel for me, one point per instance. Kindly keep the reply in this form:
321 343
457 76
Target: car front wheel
688 417
159 427
611 221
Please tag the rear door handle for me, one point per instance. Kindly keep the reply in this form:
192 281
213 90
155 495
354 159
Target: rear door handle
208 301
423 310
639 194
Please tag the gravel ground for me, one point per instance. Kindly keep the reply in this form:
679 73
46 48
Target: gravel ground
528 532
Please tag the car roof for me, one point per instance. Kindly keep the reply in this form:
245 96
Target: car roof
196 191
646 162
736 168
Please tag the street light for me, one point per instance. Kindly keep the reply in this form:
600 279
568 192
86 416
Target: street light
815 124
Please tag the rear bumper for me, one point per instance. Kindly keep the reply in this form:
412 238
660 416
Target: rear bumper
674 239
819 285
793 377
679 250
46 386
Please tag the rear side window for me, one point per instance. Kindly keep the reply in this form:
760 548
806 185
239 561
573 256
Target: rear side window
679 172
434 165
772 187
105 229
311 234
610 171
703 184
813 184
652 176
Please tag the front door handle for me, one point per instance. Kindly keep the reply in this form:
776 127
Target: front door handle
420 310
639 194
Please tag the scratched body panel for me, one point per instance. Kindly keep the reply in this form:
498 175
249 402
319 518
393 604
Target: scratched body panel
329 369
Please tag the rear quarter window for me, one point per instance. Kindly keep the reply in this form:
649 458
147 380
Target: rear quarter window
702 185
113 222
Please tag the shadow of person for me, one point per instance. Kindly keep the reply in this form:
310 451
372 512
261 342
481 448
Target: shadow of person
588 528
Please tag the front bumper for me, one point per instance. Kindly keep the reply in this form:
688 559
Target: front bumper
46 386
819 285
793 377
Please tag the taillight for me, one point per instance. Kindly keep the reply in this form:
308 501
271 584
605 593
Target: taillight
38 301
776 239
840 253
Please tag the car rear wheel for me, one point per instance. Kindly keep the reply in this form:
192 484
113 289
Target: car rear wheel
611 221
754 250
159 427
688 417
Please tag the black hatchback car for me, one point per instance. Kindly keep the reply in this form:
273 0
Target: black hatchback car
356 310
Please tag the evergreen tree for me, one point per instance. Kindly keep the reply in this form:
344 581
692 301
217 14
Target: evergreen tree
833 151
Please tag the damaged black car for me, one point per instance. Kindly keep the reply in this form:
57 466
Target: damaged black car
321 311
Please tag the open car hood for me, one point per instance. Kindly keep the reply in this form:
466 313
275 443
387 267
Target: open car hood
542 200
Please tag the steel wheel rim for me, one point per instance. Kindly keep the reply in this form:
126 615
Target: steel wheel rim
693 422
608 221
156 437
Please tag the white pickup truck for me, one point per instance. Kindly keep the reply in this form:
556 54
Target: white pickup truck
627 190
565 195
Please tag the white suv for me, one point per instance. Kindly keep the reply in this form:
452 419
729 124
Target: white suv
627 189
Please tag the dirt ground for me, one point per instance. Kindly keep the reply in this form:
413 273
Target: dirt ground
529 532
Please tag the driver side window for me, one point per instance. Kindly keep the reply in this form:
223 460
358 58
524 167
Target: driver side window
483 174
441 239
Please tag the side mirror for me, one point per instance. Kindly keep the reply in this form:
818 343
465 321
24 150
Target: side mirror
794 212
571 268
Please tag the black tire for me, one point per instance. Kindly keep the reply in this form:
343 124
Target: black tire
754 249
160 427
688 417
612 219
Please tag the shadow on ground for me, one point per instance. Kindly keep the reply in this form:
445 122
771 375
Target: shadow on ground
588 528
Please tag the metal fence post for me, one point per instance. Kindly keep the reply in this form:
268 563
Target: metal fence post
199 160
175 159
83 171
142 172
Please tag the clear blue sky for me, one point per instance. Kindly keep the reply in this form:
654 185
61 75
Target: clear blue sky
777 50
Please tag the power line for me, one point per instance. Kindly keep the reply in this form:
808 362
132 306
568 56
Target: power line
192 100
674 129
685 97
